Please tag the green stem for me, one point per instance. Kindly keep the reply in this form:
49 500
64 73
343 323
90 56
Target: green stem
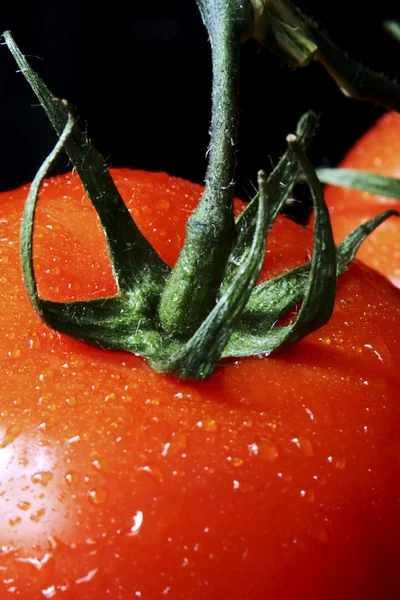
192 289
281 25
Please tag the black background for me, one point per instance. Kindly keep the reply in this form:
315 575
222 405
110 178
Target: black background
140 76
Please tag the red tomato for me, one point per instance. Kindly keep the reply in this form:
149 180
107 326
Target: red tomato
378 151
276 479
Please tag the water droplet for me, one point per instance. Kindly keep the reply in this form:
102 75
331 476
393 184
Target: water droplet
11 433
308 495
177 443
98 496
16 353
37 515
154 471
48 424
23 505
237 462
88 577
339 462
72 478
49 592
253 449
71 400
268 451
14 521
42 477
304 445
137 523
209 425
152 401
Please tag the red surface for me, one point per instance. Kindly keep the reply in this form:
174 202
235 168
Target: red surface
276 479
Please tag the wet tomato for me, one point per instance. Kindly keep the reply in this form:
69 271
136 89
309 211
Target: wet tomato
378 151
277 478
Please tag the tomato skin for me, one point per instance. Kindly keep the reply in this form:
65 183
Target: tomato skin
277 478
378 151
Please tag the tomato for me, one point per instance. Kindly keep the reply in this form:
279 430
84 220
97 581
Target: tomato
378 151
277 478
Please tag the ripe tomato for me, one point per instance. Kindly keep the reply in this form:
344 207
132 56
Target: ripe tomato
378 151
277 478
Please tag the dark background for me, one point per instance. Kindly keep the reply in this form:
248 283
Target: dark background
140 76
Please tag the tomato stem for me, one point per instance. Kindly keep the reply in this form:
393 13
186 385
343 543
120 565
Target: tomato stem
192 289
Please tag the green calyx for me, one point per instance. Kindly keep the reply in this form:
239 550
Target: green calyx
183 321
361 180
300 41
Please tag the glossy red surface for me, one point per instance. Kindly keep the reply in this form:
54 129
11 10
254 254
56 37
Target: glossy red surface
276 479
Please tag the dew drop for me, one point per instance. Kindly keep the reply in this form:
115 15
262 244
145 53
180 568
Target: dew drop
37 515
49 592
48 424
268 451
23 505
14 521
209 425
154 472
11 433
137 523
71 400
98 496
42 477
237 462
152 401
308 495
306 446
253 449
340 462
177 443
72 478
